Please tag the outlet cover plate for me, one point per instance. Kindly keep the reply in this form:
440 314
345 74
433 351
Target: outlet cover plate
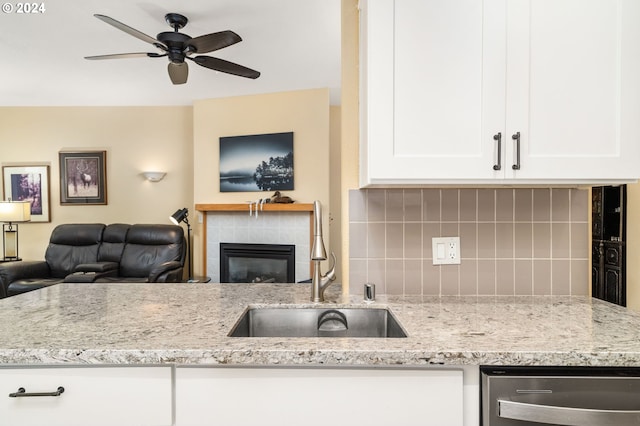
446 250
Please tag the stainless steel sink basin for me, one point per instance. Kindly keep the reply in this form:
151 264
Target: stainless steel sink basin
317 322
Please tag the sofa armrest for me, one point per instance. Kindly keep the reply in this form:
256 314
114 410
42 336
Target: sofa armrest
161 272
99 267
90 272
81 277
13 271
89 276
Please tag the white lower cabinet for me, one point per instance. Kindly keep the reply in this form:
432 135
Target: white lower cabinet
233 396
92 396
318 396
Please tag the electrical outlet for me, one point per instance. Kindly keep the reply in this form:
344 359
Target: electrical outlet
446 250
453 250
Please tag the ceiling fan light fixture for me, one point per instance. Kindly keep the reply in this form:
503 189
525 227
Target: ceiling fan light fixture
178 72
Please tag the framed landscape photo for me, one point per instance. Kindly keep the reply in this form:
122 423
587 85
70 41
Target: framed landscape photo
256 163
28 183
83 177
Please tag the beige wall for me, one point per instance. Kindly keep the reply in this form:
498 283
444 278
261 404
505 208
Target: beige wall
306 113
335 196
135 138
350 122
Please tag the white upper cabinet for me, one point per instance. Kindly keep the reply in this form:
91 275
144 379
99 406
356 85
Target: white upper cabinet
500 92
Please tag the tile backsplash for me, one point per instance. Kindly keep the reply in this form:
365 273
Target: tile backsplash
512 241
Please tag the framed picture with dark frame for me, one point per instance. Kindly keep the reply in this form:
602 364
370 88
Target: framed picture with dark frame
28 183
83 177
256 163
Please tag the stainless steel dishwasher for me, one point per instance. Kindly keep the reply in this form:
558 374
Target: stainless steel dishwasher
572 396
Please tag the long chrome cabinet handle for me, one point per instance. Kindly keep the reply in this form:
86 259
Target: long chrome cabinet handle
565 416
498 138
516 138
23 393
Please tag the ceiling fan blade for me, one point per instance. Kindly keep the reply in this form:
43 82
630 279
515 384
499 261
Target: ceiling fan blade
127 29
215 41
178 72
221 65
126 55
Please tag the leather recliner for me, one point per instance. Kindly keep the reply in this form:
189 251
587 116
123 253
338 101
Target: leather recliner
84 253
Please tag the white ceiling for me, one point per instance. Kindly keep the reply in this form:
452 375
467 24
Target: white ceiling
295 44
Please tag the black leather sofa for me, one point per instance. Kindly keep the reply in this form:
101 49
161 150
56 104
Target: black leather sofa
94 252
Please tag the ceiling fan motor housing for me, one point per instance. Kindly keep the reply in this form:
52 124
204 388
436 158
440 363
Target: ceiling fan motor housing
177 45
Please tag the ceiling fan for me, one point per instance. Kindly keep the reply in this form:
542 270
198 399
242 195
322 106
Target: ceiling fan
178 47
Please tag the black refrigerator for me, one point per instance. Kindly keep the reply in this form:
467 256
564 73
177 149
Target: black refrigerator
608 280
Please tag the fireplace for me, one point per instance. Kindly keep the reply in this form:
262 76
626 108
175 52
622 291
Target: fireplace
276 224
254 263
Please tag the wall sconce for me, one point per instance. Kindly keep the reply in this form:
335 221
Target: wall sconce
13 213
153 176
181 215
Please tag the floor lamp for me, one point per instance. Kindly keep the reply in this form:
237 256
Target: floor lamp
181 215
12 213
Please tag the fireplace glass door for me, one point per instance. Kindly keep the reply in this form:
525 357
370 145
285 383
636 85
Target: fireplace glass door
257 263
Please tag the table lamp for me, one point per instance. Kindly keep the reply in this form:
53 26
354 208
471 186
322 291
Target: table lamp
12 213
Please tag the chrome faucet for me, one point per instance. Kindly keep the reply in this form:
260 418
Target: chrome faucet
319 282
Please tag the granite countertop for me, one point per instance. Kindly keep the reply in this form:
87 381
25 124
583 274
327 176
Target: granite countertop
188 324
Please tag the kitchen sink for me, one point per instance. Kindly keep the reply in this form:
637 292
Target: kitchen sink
317 322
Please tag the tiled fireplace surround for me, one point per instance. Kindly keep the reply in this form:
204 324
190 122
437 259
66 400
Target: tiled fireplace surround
265 228
513 241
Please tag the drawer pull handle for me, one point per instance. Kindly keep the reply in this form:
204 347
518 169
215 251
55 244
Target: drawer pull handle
23 393
567 416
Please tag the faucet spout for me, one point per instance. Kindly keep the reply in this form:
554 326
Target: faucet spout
318 251
320 282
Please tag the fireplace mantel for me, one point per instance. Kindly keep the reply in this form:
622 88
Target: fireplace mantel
244 207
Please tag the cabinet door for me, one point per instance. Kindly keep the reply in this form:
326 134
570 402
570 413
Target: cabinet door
572 89
433 90
92 396
557 79
323 396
